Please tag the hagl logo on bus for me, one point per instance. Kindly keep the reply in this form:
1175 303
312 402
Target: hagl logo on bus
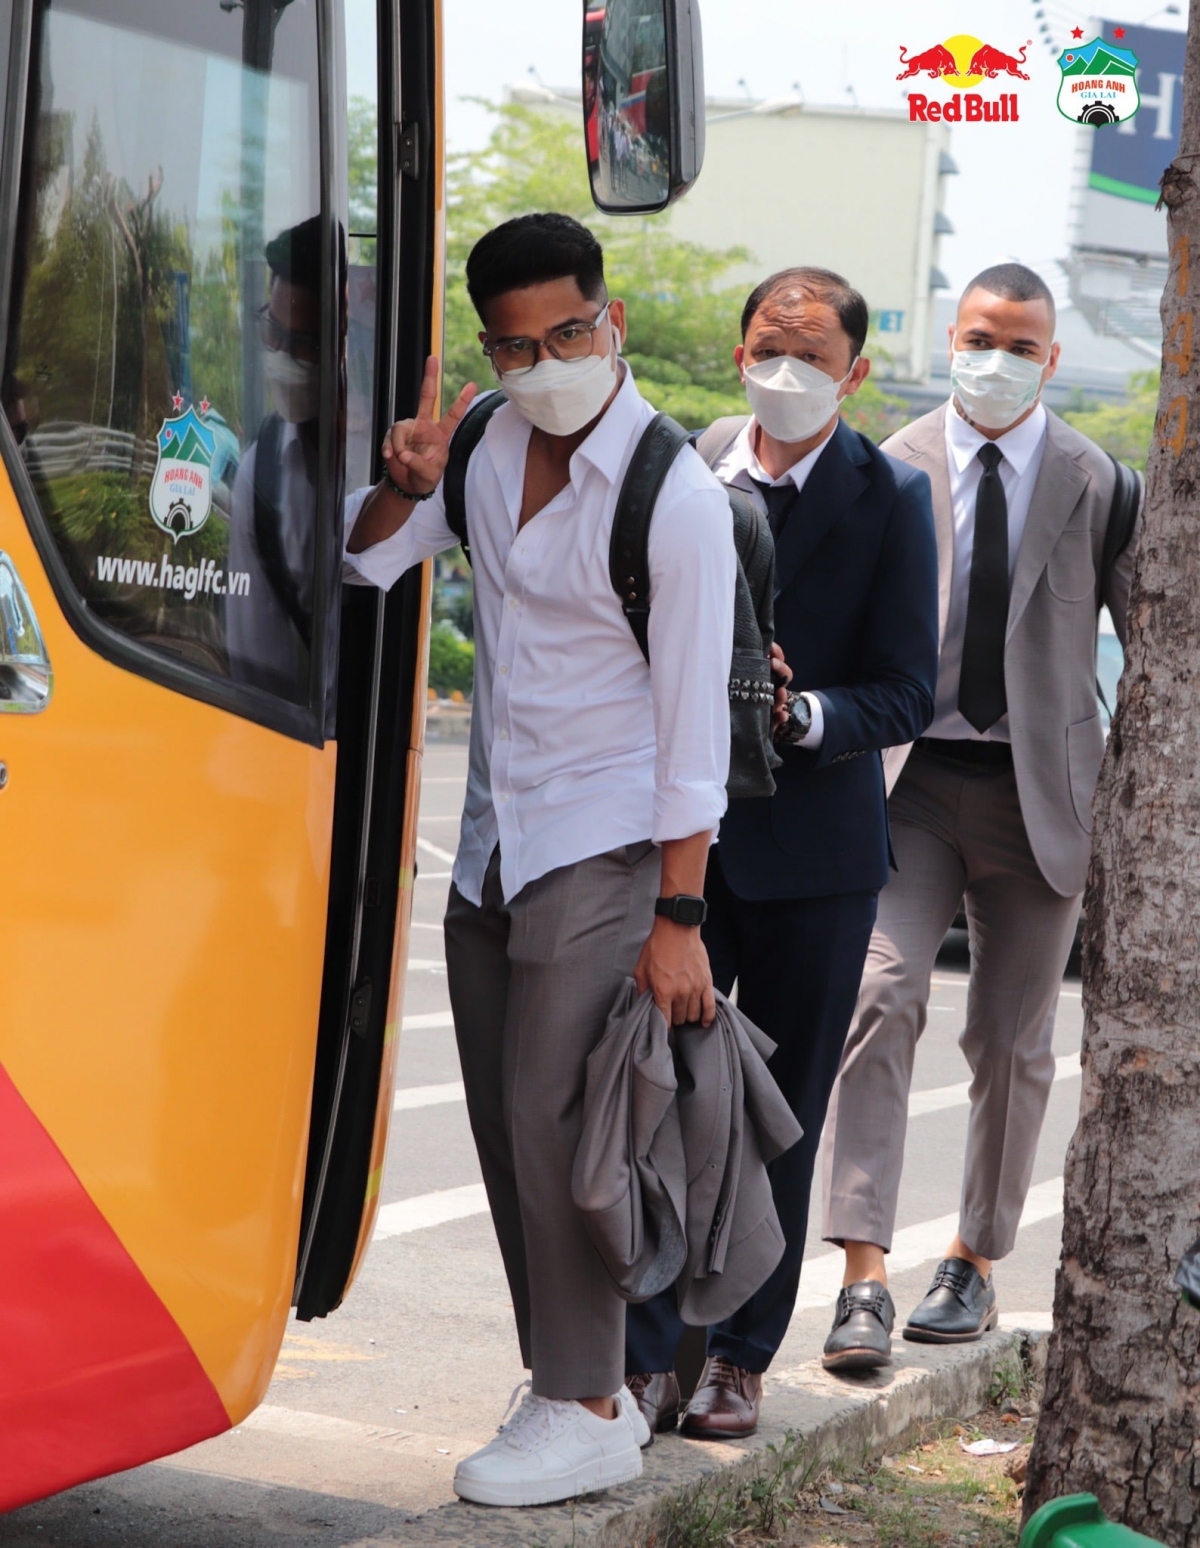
1099 83
963 62
181 490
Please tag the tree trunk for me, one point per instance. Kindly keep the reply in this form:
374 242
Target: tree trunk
1123 1384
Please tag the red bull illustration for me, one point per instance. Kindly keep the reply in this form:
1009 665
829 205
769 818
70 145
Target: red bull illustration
991 62
962 62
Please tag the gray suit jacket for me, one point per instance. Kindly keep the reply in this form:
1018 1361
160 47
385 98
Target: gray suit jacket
670 1174
1050 649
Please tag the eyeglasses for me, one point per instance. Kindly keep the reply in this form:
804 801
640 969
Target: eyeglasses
300 345
573 341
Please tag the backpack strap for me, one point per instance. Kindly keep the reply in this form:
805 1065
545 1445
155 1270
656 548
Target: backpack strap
268 484
628 549
454 481
713 443
1122 518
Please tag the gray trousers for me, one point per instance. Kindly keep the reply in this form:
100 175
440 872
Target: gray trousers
955 833
531 985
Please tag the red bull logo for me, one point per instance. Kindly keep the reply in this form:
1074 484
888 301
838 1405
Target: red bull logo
963 62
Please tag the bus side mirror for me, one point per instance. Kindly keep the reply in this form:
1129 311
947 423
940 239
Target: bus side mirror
643 102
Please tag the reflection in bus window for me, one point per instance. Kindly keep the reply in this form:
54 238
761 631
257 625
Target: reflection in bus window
170 142
362 66
626 105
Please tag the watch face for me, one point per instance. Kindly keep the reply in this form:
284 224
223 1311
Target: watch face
690 911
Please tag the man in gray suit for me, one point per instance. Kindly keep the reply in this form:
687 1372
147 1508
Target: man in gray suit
993 805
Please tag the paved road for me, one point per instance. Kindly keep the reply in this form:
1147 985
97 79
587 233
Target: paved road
370 1409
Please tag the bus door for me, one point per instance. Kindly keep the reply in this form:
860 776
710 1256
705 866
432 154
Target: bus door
202 813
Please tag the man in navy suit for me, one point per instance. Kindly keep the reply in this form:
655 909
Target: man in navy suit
793 881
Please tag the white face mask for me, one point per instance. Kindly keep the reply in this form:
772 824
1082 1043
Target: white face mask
994 387
790 398
561 396
295 386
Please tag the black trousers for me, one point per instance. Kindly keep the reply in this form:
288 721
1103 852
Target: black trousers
798 963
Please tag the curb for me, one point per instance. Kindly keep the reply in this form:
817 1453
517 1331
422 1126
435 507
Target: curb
811 1419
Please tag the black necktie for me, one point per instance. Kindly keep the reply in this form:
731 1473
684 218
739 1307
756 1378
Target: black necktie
981 696
780 498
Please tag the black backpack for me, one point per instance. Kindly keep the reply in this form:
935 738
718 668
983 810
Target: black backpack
752 755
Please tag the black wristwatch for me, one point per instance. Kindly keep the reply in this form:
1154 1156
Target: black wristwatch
683 909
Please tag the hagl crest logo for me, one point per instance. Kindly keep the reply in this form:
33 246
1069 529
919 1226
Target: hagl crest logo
963 62
1099 83
181 490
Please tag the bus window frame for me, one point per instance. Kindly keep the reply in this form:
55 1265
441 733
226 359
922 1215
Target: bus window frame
312 722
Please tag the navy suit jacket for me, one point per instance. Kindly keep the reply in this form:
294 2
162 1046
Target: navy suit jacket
856 613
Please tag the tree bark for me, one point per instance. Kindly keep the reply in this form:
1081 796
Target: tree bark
1123 1383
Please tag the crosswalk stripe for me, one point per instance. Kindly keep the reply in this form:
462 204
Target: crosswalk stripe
443 855
427 1021
430 1209
941 1097
409 1097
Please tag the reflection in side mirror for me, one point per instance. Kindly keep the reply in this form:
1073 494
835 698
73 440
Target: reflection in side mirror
643 102
25 676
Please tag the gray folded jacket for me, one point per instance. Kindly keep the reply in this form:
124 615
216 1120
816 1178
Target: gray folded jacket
670 1174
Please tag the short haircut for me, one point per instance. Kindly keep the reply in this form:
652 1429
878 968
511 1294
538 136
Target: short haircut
1012 282
533 250
295 254
816 285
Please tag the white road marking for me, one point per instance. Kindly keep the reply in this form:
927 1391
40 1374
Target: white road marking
427 1022
416 924
941 1097
430 1209
440 817
443 779
438 854
409 1097
425 964
925 1243
434 875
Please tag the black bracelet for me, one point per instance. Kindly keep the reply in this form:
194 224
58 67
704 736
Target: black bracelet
406 494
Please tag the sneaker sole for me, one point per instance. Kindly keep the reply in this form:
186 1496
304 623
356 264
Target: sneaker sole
592 1479
856 1360
931 1336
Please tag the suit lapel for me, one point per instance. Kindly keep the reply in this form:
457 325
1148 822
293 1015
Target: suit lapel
923 445
1060 483
834 483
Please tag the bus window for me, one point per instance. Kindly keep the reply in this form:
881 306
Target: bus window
362 88
164 366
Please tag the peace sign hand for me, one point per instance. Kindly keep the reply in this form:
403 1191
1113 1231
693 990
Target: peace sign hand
415 451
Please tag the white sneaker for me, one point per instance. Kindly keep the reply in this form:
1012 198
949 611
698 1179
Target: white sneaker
628 1405
550 1450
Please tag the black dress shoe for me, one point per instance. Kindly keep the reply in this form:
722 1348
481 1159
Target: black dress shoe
861 1339
657 1395
959 1308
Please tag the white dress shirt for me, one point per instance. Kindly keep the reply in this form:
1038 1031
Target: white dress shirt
577 746
1022 448
740 467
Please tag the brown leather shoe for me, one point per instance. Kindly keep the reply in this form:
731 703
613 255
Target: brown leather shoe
657 1395
725 1404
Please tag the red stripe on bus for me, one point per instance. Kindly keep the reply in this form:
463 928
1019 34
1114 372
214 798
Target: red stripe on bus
95 1374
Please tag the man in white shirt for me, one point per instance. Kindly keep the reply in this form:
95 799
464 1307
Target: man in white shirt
992 806
596 784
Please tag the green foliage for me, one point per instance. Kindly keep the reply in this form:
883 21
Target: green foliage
362 137
683 323
1125 429
451 660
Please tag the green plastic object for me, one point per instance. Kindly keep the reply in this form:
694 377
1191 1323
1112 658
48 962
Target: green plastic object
1076 1521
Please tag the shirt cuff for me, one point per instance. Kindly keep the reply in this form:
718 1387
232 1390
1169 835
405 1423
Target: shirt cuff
816 732
681 810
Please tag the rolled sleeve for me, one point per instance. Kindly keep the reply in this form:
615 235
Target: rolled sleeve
692 572
424 534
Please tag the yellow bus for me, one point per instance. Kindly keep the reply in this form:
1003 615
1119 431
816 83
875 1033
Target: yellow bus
209 750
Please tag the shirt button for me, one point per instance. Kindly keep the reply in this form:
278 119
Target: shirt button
504 669
503 735
504 799
514 604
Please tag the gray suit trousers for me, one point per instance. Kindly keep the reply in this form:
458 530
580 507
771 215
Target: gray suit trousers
956 832
531 985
